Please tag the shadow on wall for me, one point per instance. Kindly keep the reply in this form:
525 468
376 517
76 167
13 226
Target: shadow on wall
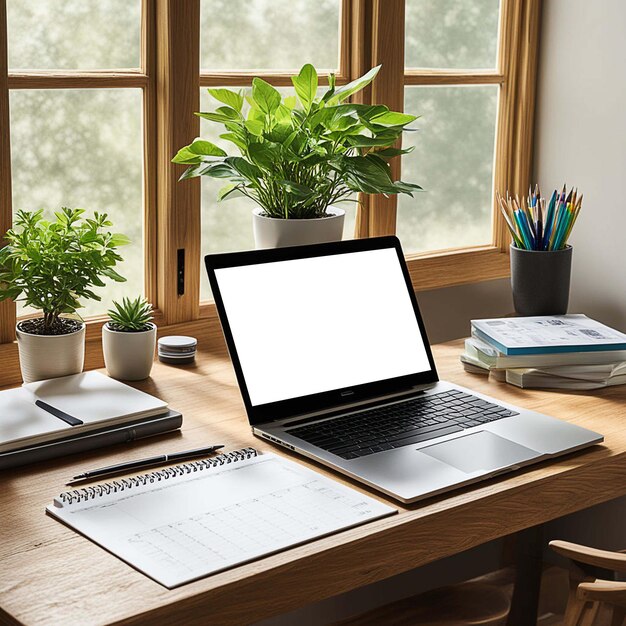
447 312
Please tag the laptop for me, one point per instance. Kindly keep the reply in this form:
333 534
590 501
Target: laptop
333 362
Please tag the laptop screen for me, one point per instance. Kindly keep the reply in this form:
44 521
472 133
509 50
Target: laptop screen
305 326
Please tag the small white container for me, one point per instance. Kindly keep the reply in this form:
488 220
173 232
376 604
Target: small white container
177 349
50 356
128 355
273 232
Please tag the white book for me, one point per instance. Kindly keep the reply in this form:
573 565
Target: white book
548 334
48 410
184 522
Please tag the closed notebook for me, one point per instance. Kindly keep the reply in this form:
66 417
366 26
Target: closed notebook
184 522
52 409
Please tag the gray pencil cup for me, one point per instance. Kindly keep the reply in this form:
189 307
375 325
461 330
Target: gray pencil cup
540 280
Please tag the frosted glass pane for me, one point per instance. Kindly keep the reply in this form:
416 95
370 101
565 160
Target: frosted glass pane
269 34
227 226
452 34
453 162
83 148
74 34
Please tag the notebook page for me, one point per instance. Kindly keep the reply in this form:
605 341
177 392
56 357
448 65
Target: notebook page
187 527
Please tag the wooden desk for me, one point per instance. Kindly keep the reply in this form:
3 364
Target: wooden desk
51 575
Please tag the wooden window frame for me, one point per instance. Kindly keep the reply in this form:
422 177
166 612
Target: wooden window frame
143 78
372 32
515 73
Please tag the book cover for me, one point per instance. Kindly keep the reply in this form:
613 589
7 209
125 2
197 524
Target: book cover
548 334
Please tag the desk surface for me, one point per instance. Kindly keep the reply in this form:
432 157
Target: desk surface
51 575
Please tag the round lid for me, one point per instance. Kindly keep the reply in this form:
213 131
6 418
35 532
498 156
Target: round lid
177 341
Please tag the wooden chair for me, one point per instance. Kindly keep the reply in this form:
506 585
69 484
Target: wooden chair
467 604
589 589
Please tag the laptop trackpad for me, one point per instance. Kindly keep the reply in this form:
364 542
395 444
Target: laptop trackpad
479 451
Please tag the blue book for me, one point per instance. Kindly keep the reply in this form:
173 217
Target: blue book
548 334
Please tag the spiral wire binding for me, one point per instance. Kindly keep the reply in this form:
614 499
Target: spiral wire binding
116 486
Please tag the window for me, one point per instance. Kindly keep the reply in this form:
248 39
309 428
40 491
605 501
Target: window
75 122
94 105
454 149
273 40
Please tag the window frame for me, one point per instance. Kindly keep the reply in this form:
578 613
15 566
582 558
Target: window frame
139 78
515 73
371 32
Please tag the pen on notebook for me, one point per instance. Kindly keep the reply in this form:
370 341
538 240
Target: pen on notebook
185 455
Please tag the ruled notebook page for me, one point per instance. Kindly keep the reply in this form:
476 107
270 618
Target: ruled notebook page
185 527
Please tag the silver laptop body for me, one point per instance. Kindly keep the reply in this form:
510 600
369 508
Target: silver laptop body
329 337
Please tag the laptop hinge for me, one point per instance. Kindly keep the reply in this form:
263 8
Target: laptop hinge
347 408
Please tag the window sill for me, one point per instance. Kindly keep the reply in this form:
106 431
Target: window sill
449 268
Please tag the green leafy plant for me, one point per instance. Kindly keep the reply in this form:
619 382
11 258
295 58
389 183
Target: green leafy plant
131 316
300 156
52 265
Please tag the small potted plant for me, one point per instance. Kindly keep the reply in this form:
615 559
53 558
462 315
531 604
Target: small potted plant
129 339
300 157
51 265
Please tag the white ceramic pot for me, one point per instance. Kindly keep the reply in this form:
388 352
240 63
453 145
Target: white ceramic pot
128 355
50 356
273 232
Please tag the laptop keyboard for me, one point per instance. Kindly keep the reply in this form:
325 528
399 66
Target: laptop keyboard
401 424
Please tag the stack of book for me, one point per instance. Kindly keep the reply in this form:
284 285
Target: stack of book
52 418
558 352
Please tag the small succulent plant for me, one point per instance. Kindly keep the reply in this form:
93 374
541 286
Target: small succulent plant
131 316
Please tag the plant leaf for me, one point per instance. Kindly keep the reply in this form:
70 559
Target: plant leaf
305 84
265 96
254 127
391 118
263 154
356 85
245 168
392 152
228 191
233 99
206 148
186 157
117 239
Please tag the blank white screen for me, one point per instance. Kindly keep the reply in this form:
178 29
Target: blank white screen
311 325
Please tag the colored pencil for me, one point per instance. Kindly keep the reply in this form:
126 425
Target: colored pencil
533 226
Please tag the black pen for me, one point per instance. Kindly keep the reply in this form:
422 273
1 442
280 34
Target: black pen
153 460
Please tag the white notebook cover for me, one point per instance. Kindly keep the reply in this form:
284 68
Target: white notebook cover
21 419
188 521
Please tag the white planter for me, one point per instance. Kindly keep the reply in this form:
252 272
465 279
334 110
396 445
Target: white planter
272 232
50 356
128 355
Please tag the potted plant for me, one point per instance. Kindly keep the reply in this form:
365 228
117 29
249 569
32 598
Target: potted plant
129 339
300 157
51 266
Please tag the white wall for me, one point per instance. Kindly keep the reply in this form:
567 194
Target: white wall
581 140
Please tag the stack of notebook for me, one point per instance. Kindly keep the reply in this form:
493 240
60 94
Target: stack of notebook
559 352
60 416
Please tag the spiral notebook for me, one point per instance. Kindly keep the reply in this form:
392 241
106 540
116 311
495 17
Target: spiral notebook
184 522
